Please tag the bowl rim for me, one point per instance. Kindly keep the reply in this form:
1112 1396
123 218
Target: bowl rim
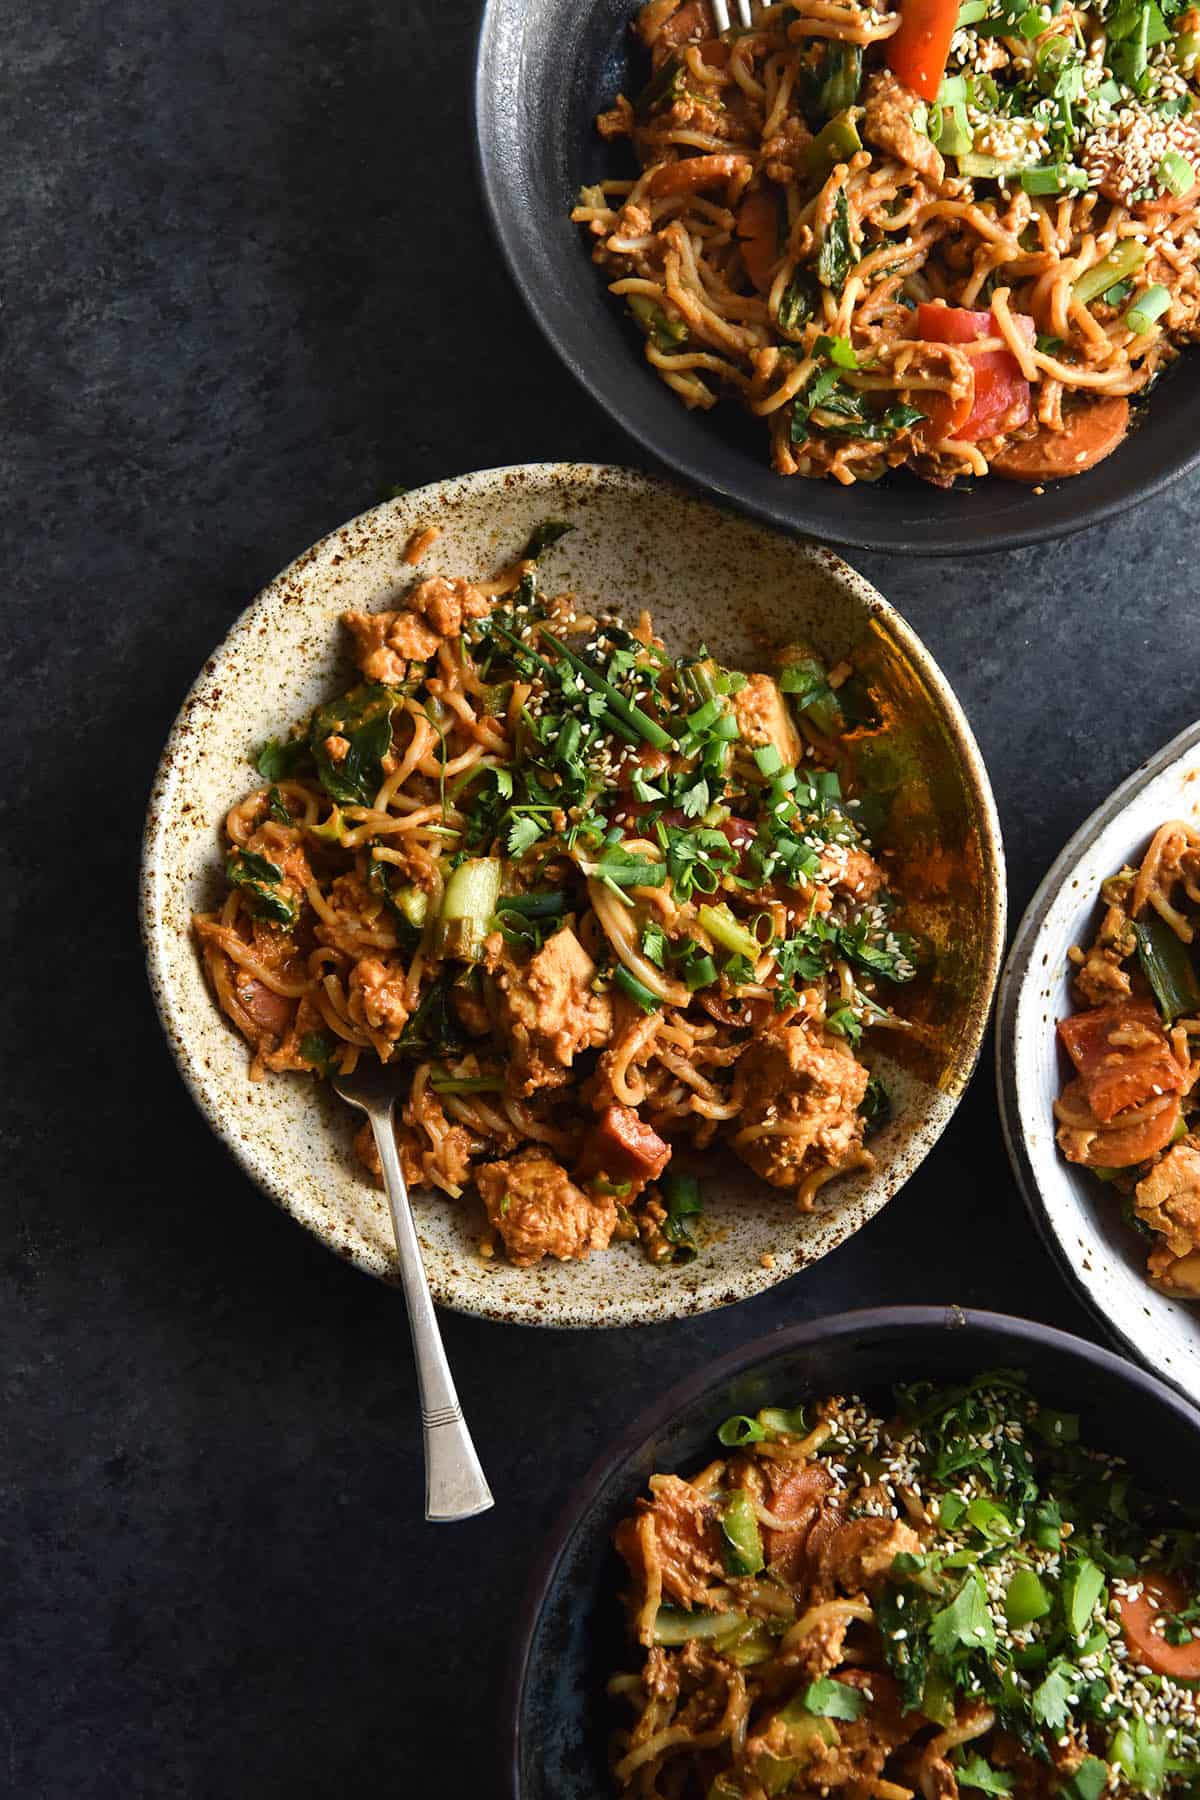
908 539
856 1323
599 476
1018 970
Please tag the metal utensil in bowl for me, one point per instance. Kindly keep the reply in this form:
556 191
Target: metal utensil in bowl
455 1485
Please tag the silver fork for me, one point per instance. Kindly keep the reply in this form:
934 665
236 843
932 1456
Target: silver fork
455 1485
745 12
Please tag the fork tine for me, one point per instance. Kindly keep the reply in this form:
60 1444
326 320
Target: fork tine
744 13
721 14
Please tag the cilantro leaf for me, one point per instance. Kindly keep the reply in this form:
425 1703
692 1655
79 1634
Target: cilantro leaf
976 1773
523 834
654 944
966 1623
834 1700
1050 1702
695 800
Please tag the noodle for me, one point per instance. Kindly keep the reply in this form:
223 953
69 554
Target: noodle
801 1625
796 201
1130 1111
599 906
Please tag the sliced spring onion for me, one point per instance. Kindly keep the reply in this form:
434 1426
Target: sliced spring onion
955 137
468 906
1025 1600
987 168
742 1550
1168 968
700 972
1125 258
1176 173
1147 307
676 1625
834 143
971 11
1053 178
532 906
725 930
953 89
624 709
681 1197
666 332
467 1084
636 990
768 759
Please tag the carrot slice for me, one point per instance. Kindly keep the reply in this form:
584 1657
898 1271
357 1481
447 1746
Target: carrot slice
1161 1593
1089 434
1130 1138
917 53
1119 1076
758 236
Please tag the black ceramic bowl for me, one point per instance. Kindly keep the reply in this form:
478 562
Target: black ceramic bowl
571 1637
545 68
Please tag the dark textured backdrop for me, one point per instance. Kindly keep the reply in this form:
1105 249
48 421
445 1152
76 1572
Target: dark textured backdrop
247 287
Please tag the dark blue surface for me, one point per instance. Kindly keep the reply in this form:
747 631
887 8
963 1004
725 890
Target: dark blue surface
232 317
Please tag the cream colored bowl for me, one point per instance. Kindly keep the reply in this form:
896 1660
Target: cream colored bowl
706 577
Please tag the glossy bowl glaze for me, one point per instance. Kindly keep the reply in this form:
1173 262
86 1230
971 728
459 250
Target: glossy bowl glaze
707 577
1078 1217
544 69
571 1635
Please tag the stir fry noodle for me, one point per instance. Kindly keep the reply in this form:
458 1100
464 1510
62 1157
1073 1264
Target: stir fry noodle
1130 1111
956 1599
598 904
957 237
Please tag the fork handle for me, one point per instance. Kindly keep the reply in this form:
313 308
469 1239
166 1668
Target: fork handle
455 1485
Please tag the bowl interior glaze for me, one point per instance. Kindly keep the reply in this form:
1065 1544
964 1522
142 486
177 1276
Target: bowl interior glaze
571 1637
544 69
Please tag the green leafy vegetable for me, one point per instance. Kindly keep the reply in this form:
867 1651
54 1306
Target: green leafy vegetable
316 1048
362 719
836 255
542 536
834 1700
280 758
260 879
801 301
974 1772
966 1623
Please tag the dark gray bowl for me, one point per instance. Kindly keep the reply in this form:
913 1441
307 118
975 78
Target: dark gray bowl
544 69
571 1636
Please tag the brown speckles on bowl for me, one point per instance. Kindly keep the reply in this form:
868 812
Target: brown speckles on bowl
706 576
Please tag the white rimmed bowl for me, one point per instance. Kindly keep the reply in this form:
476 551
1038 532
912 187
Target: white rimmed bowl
706 576
1078 1217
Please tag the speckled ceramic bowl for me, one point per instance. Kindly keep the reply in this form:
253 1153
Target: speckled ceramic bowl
1078 1217
706 576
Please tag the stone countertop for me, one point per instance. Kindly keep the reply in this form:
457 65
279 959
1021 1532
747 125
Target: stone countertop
224 331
